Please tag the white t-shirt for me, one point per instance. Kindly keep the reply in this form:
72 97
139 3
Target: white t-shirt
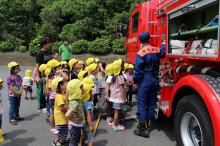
109 80
27 81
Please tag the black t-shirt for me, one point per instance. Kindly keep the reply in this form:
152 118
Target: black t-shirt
74 75
43 57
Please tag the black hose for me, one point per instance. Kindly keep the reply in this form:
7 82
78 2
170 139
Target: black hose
195 69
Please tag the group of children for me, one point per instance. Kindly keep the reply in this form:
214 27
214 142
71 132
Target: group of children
72 90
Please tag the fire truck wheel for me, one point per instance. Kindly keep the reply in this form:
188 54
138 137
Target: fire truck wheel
192 123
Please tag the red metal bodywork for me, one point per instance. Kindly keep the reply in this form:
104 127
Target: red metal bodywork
148 21
185 79
208 96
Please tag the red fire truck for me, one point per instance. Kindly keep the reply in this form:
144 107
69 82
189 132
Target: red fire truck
190 73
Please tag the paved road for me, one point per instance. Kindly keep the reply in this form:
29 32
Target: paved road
35 132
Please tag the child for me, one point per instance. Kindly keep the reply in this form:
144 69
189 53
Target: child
48 90
117 93
1 108
27 84
64 65
74 67
88 106
82 65
93 69
75 114
60 109
109 69
130 82
55 72
101 76
41 89
15 87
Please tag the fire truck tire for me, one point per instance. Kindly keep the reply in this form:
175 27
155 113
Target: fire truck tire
192 123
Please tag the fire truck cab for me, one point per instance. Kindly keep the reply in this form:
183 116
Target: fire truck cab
190 73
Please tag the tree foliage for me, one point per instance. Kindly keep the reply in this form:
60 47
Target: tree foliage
90 20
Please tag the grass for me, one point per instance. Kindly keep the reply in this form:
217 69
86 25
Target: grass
24 59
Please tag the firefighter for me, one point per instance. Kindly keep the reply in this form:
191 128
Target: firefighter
146 80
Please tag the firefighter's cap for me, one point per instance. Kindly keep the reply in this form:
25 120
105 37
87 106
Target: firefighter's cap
144 37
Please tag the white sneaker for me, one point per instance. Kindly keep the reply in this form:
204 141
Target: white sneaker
44 110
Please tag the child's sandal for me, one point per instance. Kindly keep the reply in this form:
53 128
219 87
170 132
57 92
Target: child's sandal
13 122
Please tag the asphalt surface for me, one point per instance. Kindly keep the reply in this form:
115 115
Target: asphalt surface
33 131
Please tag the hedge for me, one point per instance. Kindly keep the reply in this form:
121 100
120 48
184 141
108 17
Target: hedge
7 46
22 49
55 46
34 46
80 46
99 46
118 46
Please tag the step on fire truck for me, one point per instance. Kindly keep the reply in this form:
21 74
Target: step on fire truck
190 73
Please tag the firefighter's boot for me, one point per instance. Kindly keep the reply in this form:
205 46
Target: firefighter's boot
142 131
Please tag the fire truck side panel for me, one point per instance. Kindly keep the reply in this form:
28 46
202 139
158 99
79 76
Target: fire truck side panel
206 93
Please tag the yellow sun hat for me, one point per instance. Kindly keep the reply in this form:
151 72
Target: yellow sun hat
53 63
92 67
73 88
81 74
89 61
88 81
1 80
72 62
55 83
47 71
86 95
81 62
1 136
28 73
109 69
126 65
42 67
97 60
131 66
117 66
12 64
63 62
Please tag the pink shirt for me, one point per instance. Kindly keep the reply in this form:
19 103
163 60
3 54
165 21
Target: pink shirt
115 91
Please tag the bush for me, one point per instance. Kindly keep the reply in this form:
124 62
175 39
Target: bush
99 46
34 46
80 46
55 47
118 46
7 46
22 49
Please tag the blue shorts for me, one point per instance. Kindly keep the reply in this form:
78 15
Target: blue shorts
118 106
86 131
48 105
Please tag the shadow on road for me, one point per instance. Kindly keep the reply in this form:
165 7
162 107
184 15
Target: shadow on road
31 117
164 124
101 142
101 131
17 141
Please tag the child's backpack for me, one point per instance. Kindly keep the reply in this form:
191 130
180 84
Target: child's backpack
102 103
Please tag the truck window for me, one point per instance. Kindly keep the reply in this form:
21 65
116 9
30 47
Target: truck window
135 20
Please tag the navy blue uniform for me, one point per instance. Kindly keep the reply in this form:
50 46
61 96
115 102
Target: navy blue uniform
147 63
